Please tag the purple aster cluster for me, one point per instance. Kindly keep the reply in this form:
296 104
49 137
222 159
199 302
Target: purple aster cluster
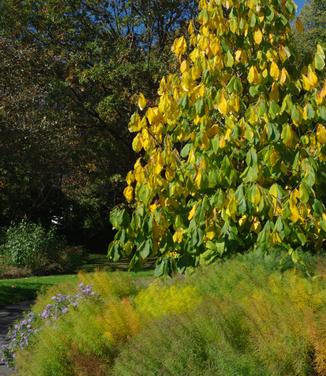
20 334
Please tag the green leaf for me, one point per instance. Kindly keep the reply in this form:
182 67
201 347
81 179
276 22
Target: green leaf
229 61
318 207
274 109
253 20
254 90
144 194
235 85
295 115
185 150
119 218
322 112
145 248
319 60
200 107
302 238
184 102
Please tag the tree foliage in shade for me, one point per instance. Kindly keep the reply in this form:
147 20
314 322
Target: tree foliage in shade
69 70
311 30
232 155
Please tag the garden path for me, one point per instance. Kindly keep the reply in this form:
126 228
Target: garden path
9 314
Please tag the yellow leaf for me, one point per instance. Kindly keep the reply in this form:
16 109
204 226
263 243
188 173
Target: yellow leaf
274 94
210 235
178 235
191 27
310 80
256 225
222 142
153 207
215 46
321 94
238 54
130 178
198 179
274 71
295 215
179 46
312 77
128 193
284 76
152 115
184 66
137 143
258 36
146 139
192 213
235 103
142 101
255 195
253 76
243 220
135 123
231 208
276 239
251 4
321 134
169 174
195 72
222 106
283 53
158 164
187 82
288 135
201 91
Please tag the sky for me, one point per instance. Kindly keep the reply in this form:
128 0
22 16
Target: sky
300 4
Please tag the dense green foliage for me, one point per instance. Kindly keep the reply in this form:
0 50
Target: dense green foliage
238 317
232 154
68 74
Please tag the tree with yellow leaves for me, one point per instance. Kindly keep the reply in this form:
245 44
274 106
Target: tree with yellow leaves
233 153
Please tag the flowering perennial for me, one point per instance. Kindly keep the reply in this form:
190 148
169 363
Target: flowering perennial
20 334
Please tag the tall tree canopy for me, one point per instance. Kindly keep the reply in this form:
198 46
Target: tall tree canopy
69 71
310 30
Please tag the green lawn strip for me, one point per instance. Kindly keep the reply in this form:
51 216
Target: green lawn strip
16 290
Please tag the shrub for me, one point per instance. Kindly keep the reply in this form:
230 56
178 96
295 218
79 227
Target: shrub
30 245
232 154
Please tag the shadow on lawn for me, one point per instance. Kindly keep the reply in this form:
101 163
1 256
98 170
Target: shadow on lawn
17 293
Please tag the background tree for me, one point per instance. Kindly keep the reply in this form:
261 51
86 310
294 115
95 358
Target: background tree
69 74
310 31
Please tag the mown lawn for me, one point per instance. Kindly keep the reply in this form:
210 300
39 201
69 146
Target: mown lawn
20 289
17 290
